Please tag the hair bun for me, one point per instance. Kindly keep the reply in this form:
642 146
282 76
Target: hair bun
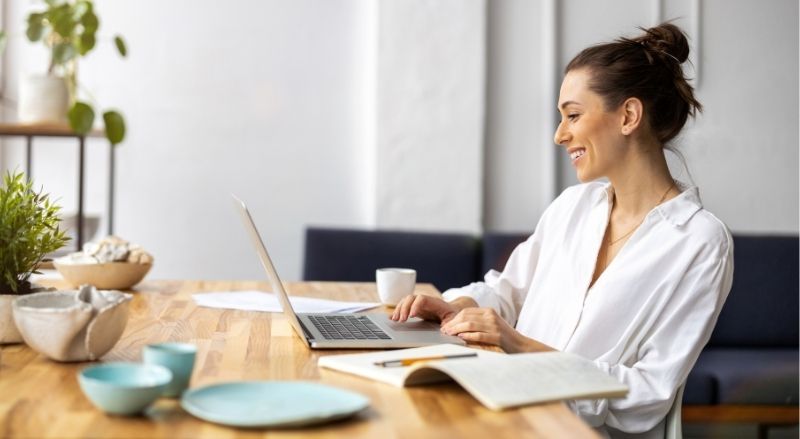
666 39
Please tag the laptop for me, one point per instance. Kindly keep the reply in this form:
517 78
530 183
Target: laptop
345 331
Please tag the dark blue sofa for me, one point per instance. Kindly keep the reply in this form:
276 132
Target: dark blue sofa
748 372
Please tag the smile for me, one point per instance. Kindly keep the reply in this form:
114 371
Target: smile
577 153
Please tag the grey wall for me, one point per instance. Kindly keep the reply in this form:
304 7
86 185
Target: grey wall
301 107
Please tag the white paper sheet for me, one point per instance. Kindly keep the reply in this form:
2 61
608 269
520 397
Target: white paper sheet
268 302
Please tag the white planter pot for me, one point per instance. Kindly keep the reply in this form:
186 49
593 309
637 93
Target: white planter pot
8 329
43 98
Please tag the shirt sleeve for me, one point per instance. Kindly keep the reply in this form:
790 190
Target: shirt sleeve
505 292
668 353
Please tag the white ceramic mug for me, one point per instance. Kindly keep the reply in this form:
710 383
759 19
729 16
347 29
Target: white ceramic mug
395 283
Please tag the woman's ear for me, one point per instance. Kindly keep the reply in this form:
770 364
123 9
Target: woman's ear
632 114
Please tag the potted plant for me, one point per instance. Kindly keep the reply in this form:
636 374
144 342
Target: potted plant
29 229
68 28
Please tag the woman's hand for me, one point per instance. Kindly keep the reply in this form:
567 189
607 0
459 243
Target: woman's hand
484 325
424 307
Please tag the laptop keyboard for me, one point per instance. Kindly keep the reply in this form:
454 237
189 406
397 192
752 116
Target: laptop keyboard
347 327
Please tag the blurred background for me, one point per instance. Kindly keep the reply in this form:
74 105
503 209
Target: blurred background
415 114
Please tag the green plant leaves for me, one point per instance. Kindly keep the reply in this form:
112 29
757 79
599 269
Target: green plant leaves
35 29
81 117
29 229
90 22
115 126
62 19
121 48
69 28
63 52
85 43
2 41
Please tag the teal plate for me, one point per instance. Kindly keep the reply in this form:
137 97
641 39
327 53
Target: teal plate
271 403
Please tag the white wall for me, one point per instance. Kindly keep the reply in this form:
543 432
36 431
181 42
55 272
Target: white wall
250 97
302 108
430 111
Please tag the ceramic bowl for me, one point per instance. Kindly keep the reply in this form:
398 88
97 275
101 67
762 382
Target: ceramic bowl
105 276
123 388
72 325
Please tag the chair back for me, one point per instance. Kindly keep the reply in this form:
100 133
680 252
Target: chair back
672 426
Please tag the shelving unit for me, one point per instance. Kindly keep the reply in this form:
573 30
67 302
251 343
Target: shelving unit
30 131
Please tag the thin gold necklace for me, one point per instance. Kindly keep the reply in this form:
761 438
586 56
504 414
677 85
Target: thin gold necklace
663 197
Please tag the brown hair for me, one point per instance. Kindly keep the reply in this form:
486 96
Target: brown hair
647 67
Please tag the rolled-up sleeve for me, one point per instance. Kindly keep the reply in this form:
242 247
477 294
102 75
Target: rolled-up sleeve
505 292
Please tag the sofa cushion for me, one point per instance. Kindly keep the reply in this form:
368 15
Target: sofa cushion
445 259
753 376
761 309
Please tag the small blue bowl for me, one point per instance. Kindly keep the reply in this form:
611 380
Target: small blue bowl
123 388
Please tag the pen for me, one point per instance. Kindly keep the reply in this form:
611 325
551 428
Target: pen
406 361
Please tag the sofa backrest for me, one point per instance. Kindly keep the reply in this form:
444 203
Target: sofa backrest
446 260
497 247
761 309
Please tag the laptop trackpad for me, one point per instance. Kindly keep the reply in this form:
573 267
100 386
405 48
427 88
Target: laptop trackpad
412 324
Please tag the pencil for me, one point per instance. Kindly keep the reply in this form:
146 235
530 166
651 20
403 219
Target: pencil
407 361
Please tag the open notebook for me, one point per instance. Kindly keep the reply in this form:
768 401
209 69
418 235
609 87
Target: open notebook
498 381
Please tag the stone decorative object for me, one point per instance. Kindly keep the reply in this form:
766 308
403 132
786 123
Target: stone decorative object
72 325
111 263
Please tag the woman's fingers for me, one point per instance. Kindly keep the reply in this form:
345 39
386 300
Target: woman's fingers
402 307
477 325
425 307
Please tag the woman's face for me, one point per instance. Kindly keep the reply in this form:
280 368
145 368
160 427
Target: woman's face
591 135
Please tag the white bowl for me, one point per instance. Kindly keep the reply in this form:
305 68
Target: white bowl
105 276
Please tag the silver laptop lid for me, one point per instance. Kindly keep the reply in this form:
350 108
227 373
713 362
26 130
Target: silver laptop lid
266 262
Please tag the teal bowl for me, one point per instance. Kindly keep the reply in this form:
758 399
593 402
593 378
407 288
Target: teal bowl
123 388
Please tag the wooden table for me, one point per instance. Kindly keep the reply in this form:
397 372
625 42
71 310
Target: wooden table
41 398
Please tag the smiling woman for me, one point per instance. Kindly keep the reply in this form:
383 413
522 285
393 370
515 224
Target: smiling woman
632 273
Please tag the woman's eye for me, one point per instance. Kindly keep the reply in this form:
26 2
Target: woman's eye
572 116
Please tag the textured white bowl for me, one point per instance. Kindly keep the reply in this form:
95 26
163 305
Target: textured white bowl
106 276
72 325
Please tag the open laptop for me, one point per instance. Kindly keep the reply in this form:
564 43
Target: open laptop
345 331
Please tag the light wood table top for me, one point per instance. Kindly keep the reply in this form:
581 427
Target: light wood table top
41 398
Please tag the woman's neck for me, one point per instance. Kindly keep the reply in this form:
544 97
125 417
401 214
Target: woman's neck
642 182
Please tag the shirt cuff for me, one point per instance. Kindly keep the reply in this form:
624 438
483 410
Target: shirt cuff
478 291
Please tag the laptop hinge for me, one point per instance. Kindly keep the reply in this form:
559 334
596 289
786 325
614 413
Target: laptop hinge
305 330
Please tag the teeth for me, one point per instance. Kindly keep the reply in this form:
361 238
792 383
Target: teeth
576 154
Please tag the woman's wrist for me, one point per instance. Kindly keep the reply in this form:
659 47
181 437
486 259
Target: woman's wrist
521 343
462 302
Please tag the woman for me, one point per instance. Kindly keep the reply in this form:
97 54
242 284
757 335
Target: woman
632 273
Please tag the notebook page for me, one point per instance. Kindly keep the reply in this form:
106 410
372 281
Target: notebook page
520 379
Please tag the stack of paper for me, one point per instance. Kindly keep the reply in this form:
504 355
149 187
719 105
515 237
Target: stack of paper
268 302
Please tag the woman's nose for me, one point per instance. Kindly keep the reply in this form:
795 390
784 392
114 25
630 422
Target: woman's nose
560 136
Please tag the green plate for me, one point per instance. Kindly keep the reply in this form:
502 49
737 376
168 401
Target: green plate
271 403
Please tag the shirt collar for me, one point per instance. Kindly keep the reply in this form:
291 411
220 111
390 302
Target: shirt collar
676 211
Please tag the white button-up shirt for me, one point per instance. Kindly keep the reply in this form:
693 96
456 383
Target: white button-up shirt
646 318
